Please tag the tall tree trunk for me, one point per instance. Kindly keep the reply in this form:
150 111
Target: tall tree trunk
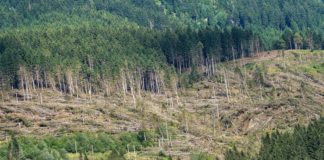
226 86
233 54
131 84
124 85
138 83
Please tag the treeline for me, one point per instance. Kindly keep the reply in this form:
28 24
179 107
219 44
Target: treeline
74 59
295 39
116 56
82 145
119 56
203 49
88 46
303 143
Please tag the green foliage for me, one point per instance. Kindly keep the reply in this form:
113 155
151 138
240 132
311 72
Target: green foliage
100 51
169 13
14 150
97 40
201 156
147 138
256 15
234 154
194 76
83 143
303 143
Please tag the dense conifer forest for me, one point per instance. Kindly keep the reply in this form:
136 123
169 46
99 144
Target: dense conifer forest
86 46
302 143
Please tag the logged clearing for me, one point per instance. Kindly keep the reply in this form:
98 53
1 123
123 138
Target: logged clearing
247 98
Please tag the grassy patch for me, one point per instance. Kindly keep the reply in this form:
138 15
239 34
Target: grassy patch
312 70
94 156
272 70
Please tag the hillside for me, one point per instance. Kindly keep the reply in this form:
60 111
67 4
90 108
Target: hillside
159 79
276 14
82 46
271 19
245 99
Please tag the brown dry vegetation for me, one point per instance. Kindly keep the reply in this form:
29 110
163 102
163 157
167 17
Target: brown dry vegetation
273 90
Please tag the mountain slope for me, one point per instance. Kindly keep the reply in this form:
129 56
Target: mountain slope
133 79
271 91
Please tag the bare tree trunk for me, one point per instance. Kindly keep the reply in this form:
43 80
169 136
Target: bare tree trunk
41 84
77 87
252 51
176 92
27 86
38 79
163 87
23 85
213 66
151 81
138 83
33 83
45 77
90 91
233 54
41 98
60 85
226 86
124 86
157 83
107 87
258 46
16 97
52 83
64 85
131 81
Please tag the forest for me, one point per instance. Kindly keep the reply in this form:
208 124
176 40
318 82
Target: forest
302 143
106 46
128 49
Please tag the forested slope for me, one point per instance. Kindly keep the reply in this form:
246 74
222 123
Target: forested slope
270 19
277 14
204 67
69 57
49 43
235 106
302 143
